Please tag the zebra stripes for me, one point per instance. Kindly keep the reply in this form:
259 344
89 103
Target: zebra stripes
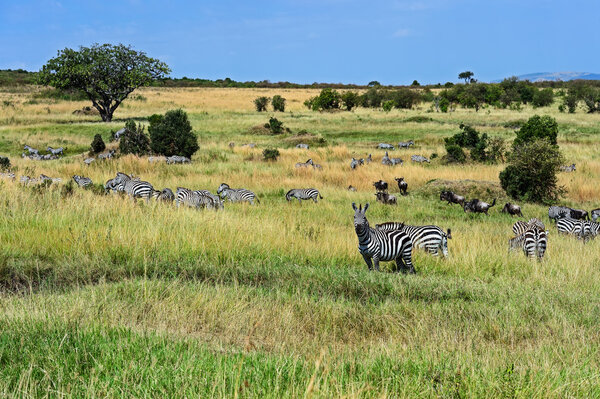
236 194
557 212
531 237
376 245
197 199
431 238
82 181
582 229
303 194
134 187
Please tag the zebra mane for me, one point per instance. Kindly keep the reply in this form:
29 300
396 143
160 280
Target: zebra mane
390 225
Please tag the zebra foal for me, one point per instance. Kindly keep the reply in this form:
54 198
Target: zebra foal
303 194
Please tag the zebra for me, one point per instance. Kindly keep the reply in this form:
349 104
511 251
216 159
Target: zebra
303 194
236 194
213 202
305 164
303 146
580 228
431 238
361 161
419 158
557 212
107 155
317 166
82 181
153 159
166 195
88 161
386 159
405 144
385 146
533 241
569 168
134 187
353 163
31 150
187 197
177 159
396 161
8 175
110 185
521 227
375 245
55 151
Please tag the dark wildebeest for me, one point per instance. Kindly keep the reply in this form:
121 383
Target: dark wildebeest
380 186
579 214
452 198
512 209
402 185
475 205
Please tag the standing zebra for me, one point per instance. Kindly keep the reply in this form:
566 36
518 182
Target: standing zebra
353 163
166 195
82 181
386 159
533 241
237 194
134 187
368 159
580 228
521 227
303 194
55 151
196 199
214 202
558 212
376 245
431 238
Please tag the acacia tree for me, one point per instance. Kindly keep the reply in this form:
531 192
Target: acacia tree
106 73
466 75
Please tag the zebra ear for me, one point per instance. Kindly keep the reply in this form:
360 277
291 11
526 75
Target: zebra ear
366 207
354 206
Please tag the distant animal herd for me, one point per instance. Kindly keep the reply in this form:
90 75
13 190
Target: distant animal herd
390 241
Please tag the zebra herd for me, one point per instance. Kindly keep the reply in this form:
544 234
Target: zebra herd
531 237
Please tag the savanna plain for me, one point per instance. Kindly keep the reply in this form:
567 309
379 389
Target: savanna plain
106 297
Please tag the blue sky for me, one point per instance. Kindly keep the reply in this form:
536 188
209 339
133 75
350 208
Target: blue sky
309 41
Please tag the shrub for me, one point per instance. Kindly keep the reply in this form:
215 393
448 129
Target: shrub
531 172
270 154
387 105
278 103
455 154
372 98
328 99
496 150
68 189
97 145
543 98
261 103
172 134
444 104
351 99
4 163
134 140
275 126
405 98
537 127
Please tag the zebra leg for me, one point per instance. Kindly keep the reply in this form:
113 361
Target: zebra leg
368 262
376 263
299 201
408 262
400 266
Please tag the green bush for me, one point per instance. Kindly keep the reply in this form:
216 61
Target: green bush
134 140
537 127
278 103
274 125
444 104
328 99
387 105
68 189
4 163
531 172
351 99
543 98
455 154
172 134
270 154
97 145
261 103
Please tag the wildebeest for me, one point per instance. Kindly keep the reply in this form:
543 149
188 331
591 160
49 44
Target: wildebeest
452 198
579 214
386 198
558 212
385 146
368 159
512 209
475 205
567 168
405 144
380 185
402 185
351 188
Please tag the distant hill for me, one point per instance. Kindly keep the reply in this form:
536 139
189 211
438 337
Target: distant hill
555 76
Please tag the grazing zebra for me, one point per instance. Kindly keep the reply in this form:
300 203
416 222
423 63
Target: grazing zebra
195 199
419 158
88 161
107 155
55 151
353 163
405 144
305 164
82 181
385 146
31 150
153 159
303 194
166 195
521 227
431 238
213 201
386 198
110 185
386 159
580 228
317 166
569 168
376 245
301 145
533 241
134 187
558 212
177 159
396 161
236 194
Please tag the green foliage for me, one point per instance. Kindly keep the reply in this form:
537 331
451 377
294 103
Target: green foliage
4 163
97 145
415 83
62 95
387 105
537 127
270 154
372 98
373 83
275 126
328 99
543 98
134 140
350 99
278 103
455 154
444 104
404 98
67 189
261 103
532 170
467 76
477 144
106 73
172 134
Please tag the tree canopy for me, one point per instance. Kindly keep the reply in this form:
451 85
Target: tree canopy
106 73
466 75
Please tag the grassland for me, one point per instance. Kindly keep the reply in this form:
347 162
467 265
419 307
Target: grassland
103 297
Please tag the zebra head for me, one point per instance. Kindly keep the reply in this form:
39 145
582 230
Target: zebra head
222 187
361 224
288 195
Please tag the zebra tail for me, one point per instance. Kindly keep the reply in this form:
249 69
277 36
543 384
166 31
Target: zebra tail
449 234
257 200
320 196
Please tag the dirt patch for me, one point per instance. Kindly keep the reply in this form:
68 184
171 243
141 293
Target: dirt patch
482 189
86 111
